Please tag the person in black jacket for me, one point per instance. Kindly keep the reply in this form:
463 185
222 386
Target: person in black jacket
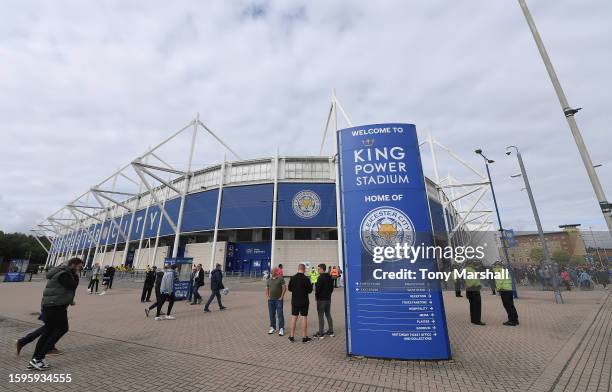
149 282
197 282
323 292
300 287
59 292
111 276
216 285
158 278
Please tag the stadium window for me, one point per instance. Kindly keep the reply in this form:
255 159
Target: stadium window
244 235
279 234
303 234
333 234
266 234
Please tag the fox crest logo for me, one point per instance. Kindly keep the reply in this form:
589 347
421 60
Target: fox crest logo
386 226
306 204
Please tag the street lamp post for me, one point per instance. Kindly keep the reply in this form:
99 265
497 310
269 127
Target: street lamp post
547 260
569 112
501 228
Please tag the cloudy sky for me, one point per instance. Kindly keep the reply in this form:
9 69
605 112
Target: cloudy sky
88 86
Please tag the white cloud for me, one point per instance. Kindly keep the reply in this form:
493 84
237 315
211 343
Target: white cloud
88 86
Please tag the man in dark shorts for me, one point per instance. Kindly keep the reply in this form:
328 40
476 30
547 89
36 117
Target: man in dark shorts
300 287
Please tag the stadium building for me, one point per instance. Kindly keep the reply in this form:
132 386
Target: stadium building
243 214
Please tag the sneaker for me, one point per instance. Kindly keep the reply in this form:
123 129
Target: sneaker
147 310
90 292
45 364
291 339
55 351
36 365
102 293
158 318
330 334
478 323
281 332
169 317
510 324
223 307
206 311
306 339
271 331
318 335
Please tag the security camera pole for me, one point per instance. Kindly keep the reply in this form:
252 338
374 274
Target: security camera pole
501 228
547 260
569 112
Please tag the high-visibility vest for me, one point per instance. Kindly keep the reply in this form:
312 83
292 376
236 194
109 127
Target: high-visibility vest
314 276
471 283
502 284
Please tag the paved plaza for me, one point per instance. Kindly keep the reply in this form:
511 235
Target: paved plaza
111 346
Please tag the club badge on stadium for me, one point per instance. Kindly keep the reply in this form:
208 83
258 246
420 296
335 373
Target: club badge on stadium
386 226
306 204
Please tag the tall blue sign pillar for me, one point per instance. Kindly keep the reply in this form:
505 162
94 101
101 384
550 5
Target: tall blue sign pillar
393 309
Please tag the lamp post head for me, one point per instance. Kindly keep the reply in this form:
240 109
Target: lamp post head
478 151
509 150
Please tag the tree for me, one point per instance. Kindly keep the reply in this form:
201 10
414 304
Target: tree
21 246
577 260
536 255
561 256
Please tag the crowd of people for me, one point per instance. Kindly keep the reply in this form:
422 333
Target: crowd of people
63 280
584 277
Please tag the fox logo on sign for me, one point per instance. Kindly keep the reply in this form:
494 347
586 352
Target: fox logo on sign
386 226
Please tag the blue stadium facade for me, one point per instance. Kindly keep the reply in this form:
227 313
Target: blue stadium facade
229 215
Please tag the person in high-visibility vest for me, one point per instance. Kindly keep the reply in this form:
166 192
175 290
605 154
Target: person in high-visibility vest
503 284
334 274
472 292
314 275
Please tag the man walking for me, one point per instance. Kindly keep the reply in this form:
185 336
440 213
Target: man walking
300 286
504 287
216 285
197 282
95 278
166 290
59 292
159 275
149 282
323 291
32 336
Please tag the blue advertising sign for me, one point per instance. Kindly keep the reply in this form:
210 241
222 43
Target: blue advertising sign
392 310
16 271
246 206
183 271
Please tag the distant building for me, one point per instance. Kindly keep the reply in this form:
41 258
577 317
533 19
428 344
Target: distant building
569 240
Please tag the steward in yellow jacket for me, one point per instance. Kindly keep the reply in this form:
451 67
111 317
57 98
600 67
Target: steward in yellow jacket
472 292
504 286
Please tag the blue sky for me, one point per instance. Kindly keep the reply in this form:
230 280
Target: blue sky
88 86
